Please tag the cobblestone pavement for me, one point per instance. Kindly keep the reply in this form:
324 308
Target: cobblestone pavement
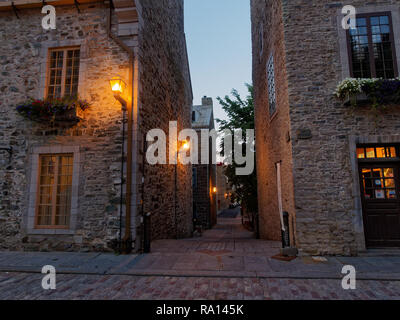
228 250
89 287
225 263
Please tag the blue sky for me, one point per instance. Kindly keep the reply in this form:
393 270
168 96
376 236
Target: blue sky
218 34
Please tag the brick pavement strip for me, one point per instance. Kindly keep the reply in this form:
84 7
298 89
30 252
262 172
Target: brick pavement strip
93 287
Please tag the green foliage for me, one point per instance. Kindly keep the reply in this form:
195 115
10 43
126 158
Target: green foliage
240 114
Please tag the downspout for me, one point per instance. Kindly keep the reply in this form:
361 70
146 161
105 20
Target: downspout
127 240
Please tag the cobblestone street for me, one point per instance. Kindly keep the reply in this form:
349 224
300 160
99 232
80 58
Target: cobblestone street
28 286
225 263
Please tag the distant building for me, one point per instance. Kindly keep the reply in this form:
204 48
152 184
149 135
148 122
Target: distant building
204 175
224 190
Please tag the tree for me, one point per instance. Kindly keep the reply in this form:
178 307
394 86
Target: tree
240 114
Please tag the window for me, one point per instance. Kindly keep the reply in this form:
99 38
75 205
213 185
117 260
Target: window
63 72
379 183
54 191
371 47
376 152
271 85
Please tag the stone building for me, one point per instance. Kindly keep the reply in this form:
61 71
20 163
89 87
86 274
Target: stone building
85 185
204 175
334 168
224 189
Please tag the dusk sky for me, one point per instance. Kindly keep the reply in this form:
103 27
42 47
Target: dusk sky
218 36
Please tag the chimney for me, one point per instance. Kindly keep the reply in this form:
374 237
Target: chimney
207 101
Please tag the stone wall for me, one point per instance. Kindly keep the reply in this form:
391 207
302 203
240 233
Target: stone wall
322 130
322 167
164 95
272 132
23 52
164 72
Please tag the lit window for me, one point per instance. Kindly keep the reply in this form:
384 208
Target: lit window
379 183
63 73
376 152
54 191
271 85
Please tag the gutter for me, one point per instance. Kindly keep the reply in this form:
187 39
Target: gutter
126 243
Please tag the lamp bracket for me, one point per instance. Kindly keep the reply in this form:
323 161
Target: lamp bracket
121 101
77 5
14 9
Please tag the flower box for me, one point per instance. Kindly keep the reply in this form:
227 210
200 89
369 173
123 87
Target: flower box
374 92
53 110
358 99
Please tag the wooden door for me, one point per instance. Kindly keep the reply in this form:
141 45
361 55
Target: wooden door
380 186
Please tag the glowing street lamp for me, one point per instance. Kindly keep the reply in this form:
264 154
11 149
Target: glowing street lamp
118 86
185 145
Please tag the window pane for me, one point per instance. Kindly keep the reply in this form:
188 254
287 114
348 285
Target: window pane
55 74
360 153
383 54
361 22
380 153
389 183
64 190
384 20
360 53
389 173
72 73
391 194
374 21
370 153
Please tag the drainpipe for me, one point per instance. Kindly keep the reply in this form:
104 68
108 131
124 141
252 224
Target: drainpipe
127 240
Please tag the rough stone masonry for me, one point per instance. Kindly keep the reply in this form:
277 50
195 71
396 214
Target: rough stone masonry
163 95
312 134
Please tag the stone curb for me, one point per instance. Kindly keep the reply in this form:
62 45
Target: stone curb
214 274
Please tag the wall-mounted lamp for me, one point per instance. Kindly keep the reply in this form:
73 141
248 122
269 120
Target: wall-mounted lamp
118 86
185 145
215 189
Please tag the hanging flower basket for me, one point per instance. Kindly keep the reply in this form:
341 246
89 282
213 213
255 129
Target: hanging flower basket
374 92
53 110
